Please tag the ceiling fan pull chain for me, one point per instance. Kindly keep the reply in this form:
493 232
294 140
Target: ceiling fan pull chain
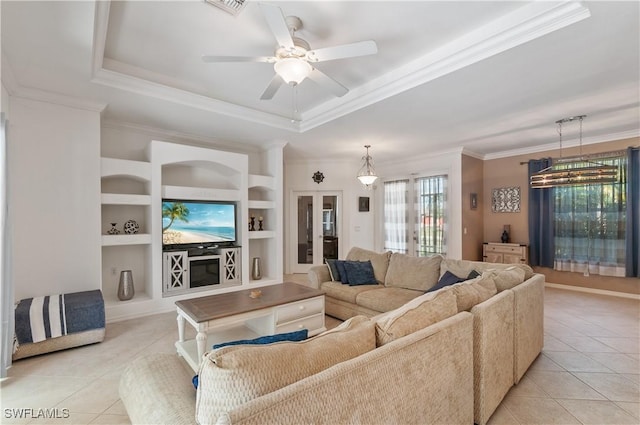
294 102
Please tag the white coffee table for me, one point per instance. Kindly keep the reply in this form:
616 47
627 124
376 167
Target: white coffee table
285 307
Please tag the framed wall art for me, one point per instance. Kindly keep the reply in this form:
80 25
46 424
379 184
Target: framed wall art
505 200
473 201
363 204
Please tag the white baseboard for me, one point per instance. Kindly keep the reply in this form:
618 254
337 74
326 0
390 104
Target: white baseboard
593 291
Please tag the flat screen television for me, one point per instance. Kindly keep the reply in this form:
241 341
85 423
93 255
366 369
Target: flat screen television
191 223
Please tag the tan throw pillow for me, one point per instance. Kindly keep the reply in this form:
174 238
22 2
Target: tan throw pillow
507 278
418 273
474 291
233 375
416 314
379 261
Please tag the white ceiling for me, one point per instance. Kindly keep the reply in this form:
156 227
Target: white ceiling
490 77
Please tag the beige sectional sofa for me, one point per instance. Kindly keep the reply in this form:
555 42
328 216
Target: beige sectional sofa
423 377
508 322
447 356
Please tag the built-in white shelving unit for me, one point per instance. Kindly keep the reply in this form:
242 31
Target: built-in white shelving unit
135 189
125 186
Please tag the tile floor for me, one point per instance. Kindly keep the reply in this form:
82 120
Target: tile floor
588 373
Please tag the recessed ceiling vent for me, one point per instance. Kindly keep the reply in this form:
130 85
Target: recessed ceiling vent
231 6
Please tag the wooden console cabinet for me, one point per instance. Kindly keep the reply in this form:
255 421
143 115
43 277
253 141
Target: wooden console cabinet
508 253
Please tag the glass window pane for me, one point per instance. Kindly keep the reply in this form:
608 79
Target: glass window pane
305 229
396 216
430 215
329 227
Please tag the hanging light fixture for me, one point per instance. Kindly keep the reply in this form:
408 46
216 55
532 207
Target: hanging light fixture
367 174
293 70
573 171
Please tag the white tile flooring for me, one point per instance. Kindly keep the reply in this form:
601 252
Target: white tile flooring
588 373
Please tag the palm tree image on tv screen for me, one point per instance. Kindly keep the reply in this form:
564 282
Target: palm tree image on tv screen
191 222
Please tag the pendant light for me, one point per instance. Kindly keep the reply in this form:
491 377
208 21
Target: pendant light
367 174
573 171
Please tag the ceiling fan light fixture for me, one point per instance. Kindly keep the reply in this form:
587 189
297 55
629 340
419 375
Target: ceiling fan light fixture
367 174
293 70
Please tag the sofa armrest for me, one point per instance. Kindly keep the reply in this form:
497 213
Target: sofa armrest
528 323
492 353
157 389
318 274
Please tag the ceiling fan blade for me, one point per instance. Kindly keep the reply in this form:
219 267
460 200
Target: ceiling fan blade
361 48
272 88
278 24
328 83
207 58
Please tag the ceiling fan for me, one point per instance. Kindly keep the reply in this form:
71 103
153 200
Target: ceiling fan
293 58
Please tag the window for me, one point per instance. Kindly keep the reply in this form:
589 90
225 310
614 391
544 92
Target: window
589 225
426 209
396 216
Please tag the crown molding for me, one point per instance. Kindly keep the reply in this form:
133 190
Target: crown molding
527 23
150 89
17 91
513 29
100 27
569 143
476 155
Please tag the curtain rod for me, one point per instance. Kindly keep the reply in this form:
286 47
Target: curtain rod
588 156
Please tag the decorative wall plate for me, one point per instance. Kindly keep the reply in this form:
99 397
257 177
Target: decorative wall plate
506 199
318 177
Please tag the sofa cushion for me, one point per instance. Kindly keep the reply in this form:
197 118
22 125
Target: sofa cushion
333 269
300 335
360 273
386 299
345 292
418 313
464 267
379 261
474 291
342 273
507 278
234 375
418 273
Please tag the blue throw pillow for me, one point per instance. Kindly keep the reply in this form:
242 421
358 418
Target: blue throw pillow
341 271
300 335
333 269
194 381
360 273
473 274
447 279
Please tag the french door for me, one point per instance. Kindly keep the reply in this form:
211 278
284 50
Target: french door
415 215
317 229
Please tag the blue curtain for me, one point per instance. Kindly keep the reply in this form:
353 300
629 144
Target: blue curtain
632 231
541 246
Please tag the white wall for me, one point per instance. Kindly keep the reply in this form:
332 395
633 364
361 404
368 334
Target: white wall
338 176
54 190
6 289
5 102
